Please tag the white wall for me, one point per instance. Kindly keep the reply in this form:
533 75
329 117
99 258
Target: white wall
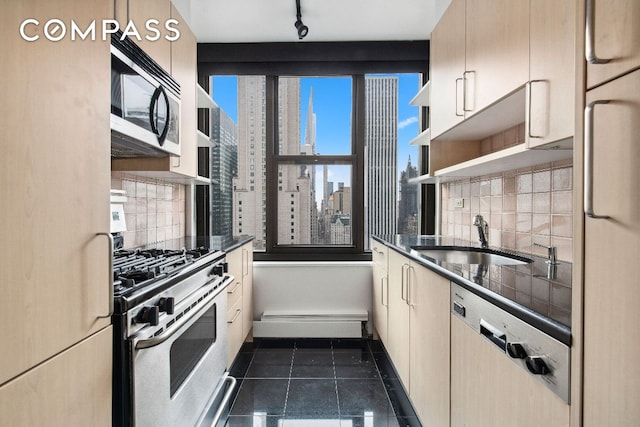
312 287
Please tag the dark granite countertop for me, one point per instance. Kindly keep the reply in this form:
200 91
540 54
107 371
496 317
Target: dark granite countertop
220 243
535 292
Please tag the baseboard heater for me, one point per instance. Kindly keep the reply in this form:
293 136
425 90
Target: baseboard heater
280 324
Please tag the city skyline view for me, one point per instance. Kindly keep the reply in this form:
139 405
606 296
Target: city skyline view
314 115
331 105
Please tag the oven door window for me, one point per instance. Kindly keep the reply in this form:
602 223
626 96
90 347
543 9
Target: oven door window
188 349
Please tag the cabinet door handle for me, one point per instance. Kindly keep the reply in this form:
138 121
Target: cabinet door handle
409 286
590 34
588 159
529 110
464 91
110 239
459 79
245 262
403 282
382 291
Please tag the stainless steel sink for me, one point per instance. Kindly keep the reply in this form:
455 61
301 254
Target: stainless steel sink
471 256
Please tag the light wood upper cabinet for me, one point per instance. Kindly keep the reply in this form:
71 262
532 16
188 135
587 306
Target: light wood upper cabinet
479 55
488 389
447 58
614 38
611 285
497 51
184 68
551 103
380 258
142 10
71 389
182 65
55 181
120 13
429 319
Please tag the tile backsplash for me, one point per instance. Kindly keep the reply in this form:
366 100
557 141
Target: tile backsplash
154 211
523 207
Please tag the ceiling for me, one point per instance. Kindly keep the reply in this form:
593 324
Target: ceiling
257 21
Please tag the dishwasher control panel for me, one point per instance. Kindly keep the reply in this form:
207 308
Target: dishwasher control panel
541 355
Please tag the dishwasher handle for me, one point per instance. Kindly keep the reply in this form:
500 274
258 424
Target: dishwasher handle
493 334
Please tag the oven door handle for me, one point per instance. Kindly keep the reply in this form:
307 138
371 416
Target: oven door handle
227 396
152 342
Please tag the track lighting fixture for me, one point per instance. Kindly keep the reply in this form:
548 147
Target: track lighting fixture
303 30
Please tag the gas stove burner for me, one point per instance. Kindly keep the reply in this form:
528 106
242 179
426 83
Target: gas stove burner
150 253
123 253
168 252
135 270
198 252
138 275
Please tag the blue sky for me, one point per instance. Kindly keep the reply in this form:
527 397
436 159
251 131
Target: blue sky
332 106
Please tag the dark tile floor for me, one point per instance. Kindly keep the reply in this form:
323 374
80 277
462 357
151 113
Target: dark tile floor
317 383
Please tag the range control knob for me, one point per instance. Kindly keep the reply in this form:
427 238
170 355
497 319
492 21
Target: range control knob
150 315
219 269
537 366
516 350
167 305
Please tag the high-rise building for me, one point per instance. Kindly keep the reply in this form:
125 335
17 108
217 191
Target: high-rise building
224 166
381 151
295 184
408 203
249 184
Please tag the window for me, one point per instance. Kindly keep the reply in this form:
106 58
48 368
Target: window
314 155
325 150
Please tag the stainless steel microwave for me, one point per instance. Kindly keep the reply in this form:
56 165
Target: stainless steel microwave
145 104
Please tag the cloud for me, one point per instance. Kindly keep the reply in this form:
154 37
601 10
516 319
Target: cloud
404 123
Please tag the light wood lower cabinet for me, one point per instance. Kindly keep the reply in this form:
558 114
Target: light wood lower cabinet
239 298
429 318
418 338
71 389
247 288
488 389
380 258
234 330
611 285
397 344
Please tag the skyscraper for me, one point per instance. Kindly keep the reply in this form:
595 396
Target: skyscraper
295 184
381 151
249 185
408 203
224 166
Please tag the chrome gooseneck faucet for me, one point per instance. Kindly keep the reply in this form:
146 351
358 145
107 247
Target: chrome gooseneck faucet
483 230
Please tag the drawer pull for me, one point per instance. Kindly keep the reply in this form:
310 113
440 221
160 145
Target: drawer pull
238 311
234 289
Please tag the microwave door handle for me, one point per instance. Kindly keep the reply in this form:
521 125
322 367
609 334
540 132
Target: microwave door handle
153 116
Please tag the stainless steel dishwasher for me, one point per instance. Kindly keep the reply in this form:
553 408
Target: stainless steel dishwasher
544 357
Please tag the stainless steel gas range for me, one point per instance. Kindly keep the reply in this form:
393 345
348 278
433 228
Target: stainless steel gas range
170 337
